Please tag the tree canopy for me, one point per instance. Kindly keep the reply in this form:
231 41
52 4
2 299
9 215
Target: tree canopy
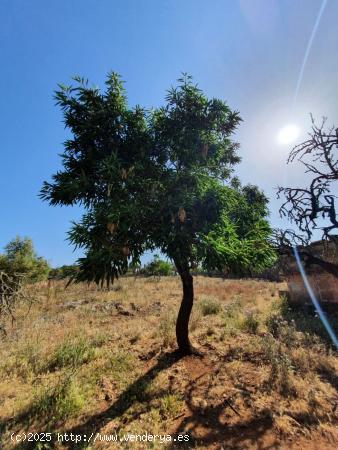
154 179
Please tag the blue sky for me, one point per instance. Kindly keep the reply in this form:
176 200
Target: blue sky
247 52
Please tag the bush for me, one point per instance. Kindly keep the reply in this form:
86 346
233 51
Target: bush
170 405
20 259
157 267
209 306
250 323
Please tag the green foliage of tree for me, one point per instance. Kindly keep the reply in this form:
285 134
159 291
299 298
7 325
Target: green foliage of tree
158 267
157 179
20 259
65 271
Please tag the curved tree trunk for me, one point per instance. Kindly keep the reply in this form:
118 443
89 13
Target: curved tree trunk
182 323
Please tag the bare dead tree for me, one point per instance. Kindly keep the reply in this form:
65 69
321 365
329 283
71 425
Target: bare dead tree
284 240
305 206
313 207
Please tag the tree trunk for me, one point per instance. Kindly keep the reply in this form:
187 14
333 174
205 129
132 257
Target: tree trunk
182 323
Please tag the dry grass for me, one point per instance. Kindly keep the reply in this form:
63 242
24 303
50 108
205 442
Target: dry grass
83 359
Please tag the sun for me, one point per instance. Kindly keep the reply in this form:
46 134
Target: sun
288 134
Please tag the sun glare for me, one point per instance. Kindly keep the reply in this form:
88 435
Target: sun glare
288 134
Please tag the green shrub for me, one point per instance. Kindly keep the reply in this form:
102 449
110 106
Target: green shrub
209 306
72 353
157 267
170 405
20 259
122 362
31 356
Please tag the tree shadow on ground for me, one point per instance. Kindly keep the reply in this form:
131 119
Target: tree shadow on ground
329 375
207 427
95 423
204 425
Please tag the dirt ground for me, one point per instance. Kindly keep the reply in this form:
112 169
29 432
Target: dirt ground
96 363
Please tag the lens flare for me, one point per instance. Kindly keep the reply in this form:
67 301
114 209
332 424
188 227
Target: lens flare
288 134
314 300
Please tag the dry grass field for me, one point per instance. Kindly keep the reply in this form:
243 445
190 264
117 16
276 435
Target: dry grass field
85 361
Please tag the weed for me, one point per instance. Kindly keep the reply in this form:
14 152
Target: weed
250 323
282 329
135 337
98 340
170 405
120 364
281 368
26 362
232 310
209 306
167 329
117 288
232 319
72 353
195 320
301 360
303 320
231 328
63 401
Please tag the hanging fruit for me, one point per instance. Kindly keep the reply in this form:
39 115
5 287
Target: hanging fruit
126 250
111 227
181 214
